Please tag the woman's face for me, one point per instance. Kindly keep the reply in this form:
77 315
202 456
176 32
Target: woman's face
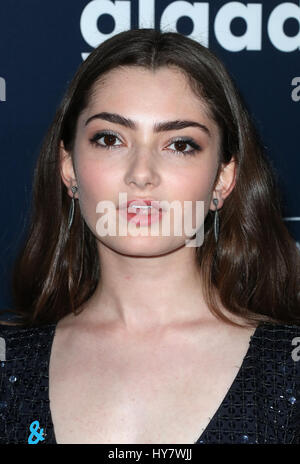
174 164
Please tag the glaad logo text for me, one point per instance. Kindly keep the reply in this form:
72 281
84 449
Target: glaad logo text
199 14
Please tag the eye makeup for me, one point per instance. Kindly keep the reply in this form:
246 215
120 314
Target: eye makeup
110 136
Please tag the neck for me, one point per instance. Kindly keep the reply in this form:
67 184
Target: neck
145 293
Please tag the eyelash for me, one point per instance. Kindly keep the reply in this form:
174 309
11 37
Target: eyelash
195 147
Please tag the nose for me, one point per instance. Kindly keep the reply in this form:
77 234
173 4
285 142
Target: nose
142 170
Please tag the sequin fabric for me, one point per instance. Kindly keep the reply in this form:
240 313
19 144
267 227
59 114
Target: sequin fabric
261 406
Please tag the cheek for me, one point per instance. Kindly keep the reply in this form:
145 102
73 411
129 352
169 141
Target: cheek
95 184
192 188
195 184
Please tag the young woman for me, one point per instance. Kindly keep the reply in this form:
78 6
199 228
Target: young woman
146 338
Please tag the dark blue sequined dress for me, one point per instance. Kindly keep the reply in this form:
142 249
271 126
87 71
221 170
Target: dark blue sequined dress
261 406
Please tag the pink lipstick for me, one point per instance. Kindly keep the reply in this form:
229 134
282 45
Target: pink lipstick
141 211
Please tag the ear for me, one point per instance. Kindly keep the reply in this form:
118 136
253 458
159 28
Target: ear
67 169
225 183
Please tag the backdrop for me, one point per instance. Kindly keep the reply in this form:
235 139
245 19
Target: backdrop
43 42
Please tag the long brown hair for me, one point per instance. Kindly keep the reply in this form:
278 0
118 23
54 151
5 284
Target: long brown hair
253 269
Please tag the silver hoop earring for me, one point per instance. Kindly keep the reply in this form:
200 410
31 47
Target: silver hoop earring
72 207
216 220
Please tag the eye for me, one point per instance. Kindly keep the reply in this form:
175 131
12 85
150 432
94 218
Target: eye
182 143
108 139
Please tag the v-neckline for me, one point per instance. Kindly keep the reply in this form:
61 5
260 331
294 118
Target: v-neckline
219 409
234 382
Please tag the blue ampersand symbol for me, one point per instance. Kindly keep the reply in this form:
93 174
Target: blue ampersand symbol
35 434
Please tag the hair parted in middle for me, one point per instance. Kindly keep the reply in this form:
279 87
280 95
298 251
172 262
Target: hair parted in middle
252 270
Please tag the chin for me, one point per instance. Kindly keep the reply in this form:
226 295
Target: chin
143 246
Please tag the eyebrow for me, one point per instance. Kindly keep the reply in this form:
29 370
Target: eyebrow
157 127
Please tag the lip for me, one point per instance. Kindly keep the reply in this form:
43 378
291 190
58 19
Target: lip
138 217
141 202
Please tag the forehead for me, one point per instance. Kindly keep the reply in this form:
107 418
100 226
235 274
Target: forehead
165 90
140 76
